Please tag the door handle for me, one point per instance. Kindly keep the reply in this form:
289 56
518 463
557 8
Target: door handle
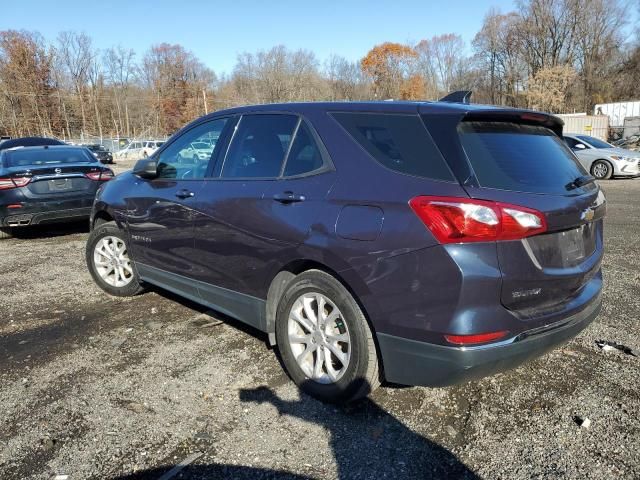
288 197
184 193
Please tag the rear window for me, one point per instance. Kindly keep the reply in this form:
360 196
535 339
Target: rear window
525 158
48 156
399 142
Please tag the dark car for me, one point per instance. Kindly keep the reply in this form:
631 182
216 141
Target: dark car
29 142
417 243
47 184
101 153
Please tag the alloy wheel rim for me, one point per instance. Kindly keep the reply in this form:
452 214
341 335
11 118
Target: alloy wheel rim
600 170
319 338
112 262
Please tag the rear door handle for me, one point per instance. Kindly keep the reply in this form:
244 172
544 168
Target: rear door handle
184 193
288 197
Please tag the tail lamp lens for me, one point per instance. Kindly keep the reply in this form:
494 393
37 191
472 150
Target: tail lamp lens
462 220
102 175
13 182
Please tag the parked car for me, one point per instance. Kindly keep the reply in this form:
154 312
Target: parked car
196 152
418 243
139 149
29 142
47 184
149 147
101 153
602 159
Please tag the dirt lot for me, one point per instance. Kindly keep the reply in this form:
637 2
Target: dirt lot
105 388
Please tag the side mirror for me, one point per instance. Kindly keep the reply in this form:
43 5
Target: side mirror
580 146
146 168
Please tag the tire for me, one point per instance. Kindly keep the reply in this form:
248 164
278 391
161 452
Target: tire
5 232
129 285
601 170
361 374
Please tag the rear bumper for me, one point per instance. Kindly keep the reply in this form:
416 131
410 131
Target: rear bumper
410 362
35 213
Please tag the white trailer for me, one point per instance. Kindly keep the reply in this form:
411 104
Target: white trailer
618 111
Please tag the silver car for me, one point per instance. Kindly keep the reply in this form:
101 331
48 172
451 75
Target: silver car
602 159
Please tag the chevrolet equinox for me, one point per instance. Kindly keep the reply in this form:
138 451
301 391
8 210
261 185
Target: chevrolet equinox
421 243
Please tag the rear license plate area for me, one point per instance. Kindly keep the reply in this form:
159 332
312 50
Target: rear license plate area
576 244
60 185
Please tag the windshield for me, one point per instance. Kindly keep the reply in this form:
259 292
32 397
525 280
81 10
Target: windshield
48 156
594 142
524 158
201 146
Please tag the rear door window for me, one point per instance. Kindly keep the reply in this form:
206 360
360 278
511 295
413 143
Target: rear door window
304 156
525 158
400 142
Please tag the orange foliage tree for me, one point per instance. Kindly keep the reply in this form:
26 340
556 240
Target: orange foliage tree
413 88
388 65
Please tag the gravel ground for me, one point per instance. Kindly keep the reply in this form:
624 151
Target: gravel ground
107 388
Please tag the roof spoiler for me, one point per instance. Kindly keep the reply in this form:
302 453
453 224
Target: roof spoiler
461 96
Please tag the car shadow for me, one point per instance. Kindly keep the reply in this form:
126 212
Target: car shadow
366 441
50 230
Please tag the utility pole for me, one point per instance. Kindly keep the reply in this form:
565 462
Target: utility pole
204 97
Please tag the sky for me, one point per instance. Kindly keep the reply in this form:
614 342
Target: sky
217 31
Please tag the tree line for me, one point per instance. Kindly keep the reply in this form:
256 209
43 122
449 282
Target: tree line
552 55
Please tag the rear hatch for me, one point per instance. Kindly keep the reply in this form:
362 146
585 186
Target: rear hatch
49 172
519 159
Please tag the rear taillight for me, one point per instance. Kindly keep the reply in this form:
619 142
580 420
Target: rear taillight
461 220
475 338
101 176
13 182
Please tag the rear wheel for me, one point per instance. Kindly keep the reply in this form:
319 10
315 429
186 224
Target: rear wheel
602 170
324 339
108 260
5 232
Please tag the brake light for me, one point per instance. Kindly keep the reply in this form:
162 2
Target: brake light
13 182
101 176
476 338
462 220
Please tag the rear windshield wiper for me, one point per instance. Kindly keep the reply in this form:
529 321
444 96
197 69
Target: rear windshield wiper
580 182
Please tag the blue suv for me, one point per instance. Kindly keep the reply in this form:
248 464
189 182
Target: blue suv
421 243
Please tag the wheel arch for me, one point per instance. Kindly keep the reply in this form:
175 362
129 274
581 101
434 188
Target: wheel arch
101 216
103 212
287 273
605 160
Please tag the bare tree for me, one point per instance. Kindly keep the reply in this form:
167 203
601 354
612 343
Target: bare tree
599 39
500 57
121 72
345 79
76 56
277 75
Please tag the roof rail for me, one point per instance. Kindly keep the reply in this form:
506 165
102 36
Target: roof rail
460 96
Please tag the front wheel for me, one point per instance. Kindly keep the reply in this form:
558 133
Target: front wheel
602 170
325 341
107 256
